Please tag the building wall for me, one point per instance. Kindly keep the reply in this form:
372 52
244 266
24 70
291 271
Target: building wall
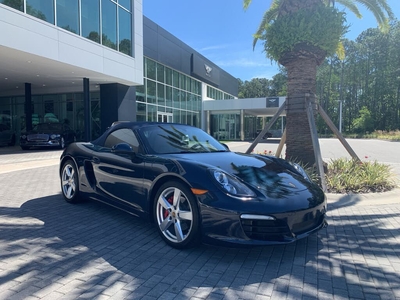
46 40
163 47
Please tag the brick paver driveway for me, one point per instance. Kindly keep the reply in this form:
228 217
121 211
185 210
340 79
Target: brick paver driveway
53 250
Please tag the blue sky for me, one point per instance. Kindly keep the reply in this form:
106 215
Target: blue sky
222 31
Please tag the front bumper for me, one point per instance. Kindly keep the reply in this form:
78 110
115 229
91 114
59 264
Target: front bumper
50 143
284 229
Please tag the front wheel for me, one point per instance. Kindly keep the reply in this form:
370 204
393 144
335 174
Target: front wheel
70 182
177 215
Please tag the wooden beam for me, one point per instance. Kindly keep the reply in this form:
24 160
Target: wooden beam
266 128
337 133
317 150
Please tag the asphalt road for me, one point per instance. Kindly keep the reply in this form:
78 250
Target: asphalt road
367 150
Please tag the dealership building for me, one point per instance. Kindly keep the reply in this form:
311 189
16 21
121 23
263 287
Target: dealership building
89 63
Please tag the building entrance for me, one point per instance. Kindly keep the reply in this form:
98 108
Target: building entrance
164 117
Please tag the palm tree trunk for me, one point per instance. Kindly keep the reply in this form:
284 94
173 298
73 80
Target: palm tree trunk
301 65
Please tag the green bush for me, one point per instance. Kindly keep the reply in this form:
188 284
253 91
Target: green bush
352 176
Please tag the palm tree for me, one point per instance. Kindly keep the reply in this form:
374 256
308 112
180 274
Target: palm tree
300 34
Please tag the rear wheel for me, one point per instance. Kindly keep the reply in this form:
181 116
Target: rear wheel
177 215
70 182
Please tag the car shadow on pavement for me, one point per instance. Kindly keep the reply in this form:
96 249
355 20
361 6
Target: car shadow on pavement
91 249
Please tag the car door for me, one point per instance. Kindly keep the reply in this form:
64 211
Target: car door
120 175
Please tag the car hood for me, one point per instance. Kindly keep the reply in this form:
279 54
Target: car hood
272 176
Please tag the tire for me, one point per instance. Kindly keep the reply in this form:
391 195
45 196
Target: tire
70 182
177 223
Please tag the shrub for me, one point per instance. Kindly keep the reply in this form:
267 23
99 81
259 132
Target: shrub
352 176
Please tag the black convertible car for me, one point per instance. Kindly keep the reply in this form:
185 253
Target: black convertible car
193 187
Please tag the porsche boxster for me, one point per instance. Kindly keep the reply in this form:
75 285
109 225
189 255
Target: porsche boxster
192 187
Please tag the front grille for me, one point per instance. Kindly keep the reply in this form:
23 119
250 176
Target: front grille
265 230
38 137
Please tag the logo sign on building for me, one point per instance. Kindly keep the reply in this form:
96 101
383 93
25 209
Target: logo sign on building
205 70
272 102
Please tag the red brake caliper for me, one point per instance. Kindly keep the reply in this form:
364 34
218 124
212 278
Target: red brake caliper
170 201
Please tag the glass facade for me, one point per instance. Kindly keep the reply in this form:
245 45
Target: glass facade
41 9
168 96
90 19
216 94
63 108
111 28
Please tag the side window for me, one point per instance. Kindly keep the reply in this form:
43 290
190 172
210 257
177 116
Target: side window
123 135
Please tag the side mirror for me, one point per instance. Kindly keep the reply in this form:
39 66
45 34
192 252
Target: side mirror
122 148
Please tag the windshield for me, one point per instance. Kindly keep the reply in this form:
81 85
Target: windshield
176 138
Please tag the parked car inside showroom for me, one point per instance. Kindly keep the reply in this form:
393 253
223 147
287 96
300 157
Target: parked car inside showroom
56 135
192 187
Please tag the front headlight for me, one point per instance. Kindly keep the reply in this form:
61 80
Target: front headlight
301 171
23 137
54 136
232 185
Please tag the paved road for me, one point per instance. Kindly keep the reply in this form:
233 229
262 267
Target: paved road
53 250
367 150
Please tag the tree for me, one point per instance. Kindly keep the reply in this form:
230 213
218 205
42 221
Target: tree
300 35
365 122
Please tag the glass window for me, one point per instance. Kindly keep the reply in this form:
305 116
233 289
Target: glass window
41 9
126 4
175 79
175 98
109 24
141 112
182 81
140 93
91 19
125 31
183 99
160 73
176 116
122 136
151 91
150 69
168 76
68 15
168 96
151 113
16 4
160 94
